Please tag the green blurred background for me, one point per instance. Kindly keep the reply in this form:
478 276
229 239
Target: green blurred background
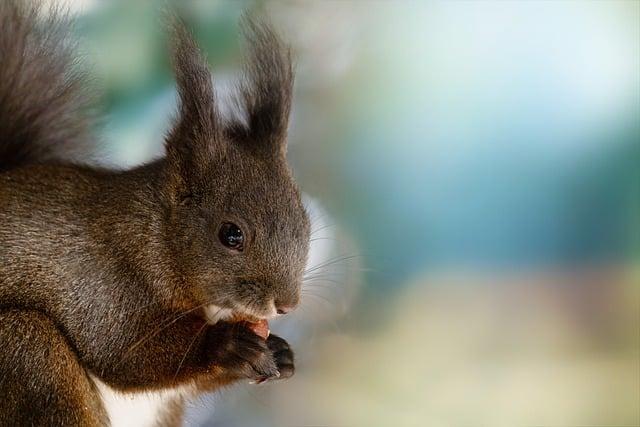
473 172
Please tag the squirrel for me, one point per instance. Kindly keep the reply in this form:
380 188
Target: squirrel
149 281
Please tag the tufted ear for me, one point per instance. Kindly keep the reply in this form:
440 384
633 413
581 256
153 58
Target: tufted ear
266 89
195 137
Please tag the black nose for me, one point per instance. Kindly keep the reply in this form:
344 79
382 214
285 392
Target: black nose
284 309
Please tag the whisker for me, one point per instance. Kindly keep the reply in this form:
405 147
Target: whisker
160 329
332 261
324 238
337 274
204 325
317 282
322 298
321 228
318 215
325 275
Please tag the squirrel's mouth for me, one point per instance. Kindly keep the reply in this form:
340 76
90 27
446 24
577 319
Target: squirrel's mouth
259 325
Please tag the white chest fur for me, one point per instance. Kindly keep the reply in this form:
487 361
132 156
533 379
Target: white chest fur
135 409
146 408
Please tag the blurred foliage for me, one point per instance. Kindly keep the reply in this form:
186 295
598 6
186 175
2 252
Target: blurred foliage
454 144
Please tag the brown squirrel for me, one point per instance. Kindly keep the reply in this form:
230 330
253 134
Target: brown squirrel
137 281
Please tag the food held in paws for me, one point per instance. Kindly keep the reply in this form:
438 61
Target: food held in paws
260 328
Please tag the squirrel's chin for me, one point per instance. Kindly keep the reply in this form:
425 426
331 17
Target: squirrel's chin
260 326
215 314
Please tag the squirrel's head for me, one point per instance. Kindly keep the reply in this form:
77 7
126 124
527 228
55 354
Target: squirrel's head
235 221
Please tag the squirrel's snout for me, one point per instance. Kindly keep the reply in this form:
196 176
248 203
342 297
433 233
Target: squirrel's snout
284 306
284 309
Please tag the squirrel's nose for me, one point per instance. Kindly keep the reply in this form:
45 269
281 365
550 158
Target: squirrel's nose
284 305
284 309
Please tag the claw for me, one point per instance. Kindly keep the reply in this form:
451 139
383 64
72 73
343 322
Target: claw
261 380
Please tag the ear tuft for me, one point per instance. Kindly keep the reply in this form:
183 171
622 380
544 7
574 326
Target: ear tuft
195 134
197 111
267 86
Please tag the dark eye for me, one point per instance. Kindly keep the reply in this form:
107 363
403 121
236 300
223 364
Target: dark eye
231 236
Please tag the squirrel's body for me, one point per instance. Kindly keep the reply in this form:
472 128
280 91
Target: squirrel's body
113 283
67 240
64 208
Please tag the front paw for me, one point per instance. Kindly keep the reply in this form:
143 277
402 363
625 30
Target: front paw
241 354
283 356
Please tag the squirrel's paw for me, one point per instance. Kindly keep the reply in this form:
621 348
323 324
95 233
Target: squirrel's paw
283 356
244 355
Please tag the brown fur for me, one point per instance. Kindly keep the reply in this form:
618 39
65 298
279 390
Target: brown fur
107 272
44 117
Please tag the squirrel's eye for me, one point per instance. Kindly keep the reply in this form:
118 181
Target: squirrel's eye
231 236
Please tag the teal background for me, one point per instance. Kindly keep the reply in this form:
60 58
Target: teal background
486 149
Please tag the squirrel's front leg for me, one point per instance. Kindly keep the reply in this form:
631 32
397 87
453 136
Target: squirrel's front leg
193 352
42 382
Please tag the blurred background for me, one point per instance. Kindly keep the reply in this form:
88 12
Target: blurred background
473 175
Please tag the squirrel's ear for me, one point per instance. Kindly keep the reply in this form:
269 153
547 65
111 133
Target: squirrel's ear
266 89
195 136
